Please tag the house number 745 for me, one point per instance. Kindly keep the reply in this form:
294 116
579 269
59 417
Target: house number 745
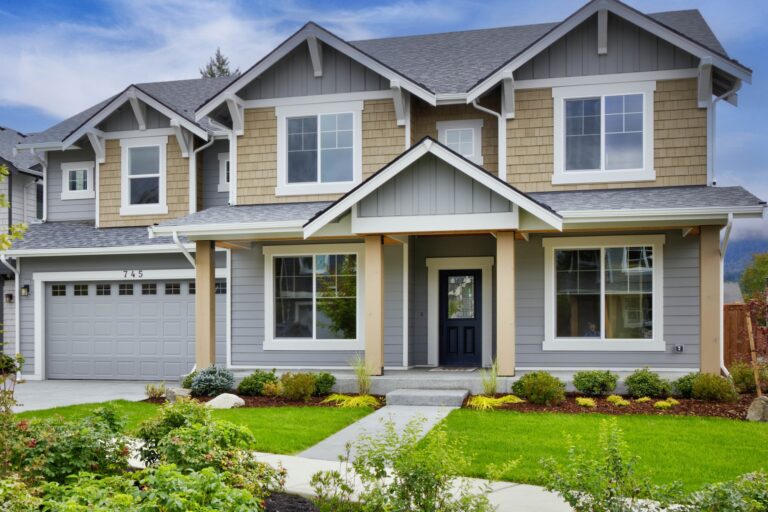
133 274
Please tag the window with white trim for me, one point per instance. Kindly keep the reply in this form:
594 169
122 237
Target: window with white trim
464 137
603 133
604 293
77 180
314 297
223 172
319 148
143 163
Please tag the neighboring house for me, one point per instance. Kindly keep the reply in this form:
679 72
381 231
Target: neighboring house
542 194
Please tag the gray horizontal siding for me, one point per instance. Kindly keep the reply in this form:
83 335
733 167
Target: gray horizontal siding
630 49
393 305
70 209
431 187
23 200
210 175
294 76
123 119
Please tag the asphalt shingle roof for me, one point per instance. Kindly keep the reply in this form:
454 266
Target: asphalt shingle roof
78 234
251 213
8 140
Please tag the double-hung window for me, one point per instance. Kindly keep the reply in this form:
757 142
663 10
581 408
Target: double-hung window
313 297
223 172
319 148
464 137
77 180
604 293
143 162
603 133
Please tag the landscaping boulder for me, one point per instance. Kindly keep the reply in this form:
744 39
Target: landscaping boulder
758 411
171 394
225 401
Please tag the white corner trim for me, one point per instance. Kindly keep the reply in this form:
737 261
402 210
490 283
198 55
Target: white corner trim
552 343
223 183
311 344
602 175
89 192
434 266
476 125
126 208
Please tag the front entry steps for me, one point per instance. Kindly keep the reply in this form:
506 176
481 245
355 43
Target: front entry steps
427 397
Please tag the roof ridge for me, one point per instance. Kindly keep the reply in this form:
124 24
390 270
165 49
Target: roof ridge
450 32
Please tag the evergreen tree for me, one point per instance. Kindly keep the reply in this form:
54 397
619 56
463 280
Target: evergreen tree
218 65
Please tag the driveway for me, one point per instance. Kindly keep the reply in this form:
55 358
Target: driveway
44 394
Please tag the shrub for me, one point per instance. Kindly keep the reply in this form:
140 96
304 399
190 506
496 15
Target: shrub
540 388
182 413
714 388
15 496
744 377
643 400
297 386
595 382
155 391
490 379
683 387
324 383
614 398
362 376
188 378
748 493
662 404
273 389
212 381
352 401
586 402
647 383
253 384
487 403
672 401
197 446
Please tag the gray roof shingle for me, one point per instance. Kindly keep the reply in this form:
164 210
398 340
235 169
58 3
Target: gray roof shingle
281 212
78 235
8 140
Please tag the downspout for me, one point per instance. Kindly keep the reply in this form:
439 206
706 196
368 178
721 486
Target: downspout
723 248
183 249
711 125
17 286
502 138
193 175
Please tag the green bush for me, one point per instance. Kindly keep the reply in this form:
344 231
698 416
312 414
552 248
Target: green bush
744 377
16 496
683 387
182 413
595 382
197 446
212 381
714 388
647 383
253 384
188 378
540 388
324 383
297 386
748 493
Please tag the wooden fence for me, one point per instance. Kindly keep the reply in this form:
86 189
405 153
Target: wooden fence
736 342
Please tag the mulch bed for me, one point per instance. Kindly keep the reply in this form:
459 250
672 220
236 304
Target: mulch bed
687 407
267 401
280 502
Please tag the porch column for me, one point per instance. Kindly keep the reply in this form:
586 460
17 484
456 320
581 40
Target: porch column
505 302
374 304
710 284
205 304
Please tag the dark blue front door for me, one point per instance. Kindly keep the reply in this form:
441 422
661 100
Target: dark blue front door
460 314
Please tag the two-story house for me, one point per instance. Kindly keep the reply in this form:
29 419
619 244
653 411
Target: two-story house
542 195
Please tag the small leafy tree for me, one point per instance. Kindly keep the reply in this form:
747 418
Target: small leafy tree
753 280
218 65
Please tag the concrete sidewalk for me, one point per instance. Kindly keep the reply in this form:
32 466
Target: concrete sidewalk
43 394
506 496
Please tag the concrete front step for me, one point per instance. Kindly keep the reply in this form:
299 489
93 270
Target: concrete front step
427 397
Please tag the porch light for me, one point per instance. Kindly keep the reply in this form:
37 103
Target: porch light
25 290
9 298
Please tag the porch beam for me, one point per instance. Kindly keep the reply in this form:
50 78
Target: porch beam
205 304
374 304
505 302
710 286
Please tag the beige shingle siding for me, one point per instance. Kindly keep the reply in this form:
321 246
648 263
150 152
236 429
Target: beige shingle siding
177 188
383 141
680 140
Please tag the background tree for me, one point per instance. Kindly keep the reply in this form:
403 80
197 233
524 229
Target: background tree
218 65
754 276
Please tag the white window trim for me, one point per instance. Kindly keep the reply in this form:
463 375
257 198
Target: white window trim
290 189
477 127
551 342
126 208
560 94
223 183
270 342
89 192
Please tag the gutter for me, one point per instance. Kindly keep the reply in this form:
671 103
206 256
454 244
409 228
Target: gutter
203 230
183 249
501 138
17 296
723 249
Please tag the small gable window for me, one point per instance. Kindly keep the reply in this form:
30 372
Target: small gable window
143 176
463 137
77 180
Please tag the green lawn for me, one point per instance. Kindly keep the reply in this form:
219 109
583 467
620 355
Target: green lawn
285 430
693 450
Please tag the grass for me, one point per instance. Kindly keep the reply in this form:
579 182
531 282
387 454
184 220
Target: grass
286 430
693 450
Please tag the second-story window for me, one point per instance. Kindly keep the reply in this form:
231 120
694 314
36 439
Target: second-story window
223 172
143 176
319 148
603 133
464 137
77 180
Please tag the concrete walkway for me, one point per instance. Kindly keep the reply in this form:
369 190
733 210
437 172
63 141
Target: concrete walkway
508 497
335 446
43 394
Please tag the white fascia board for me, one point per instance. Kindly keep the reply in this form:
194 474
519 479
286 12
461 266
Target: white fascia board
97 251
250 228
289 45
704 213
622 11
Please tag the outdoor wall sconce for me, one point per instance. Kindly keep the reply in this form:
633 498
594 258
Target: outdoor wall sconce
25 290
9 298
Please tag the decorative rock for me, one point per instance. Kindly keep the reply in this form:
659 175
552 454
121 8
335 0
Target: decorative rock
225 401
171 394
758 410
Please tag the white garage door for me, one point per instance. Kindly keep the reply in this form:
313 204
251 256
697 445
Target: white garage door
125 330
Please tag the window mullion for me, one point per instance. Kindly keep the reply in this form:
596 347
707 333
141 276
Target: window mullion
602 294
602 133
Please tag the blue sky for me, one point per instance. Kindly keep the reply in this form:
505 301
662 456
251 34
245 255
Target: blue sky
63 56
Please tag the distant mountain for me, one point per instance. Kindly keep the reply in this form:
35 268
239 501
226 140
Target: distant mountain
739 255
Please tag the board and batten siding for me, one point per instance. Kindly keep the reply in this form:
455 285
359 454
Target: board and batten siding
630 50
681 312
89 264
209 171
68 209
123 119
680 140
430 186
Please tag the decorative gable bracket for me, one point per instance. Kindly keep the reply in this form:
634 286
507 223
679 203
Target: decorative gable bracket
508 95
316 55
402 99
139 109
96 138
